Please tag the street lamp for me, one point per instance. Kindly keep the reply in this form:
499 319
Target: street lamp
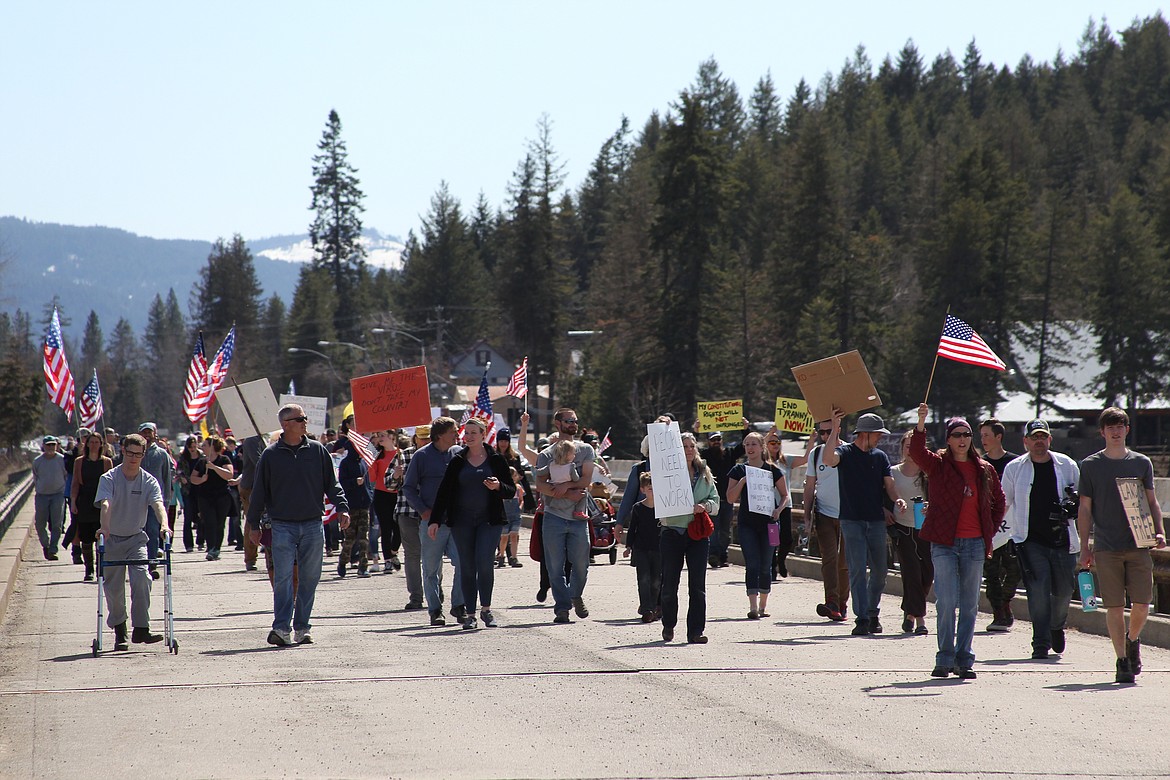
332 373
422 345
341 344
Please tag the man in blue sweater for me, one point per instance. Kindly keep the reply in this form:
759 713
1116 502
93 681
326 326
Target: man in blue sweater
292 479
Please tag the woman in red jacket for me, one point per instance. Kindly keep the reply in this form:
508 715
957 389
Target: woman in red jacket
966 507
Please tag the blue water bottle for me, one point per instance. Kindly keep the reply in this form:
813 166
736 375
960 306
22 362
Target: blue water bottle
1088 592
919 511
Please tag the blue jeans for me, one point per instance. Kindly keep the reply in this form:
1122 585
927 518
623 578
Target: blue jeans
865 544
432 566
302 543
757 558
49 509
477 545
153 529
565 540
677 548
1048 578
722 536
958 571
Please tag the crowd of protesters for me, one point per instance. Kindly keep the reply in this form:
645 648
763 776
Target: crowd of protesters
420 496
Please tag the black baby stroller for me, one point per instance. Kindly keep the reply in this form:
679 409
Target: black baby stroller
602 535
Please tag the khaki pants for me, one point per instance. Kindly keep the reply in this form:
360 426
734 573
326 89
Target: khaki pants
251 549
834 570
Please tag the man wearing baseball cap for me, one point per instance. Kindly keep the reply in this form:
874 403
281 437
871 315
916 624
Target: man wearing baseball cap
864 477
48 471
157 463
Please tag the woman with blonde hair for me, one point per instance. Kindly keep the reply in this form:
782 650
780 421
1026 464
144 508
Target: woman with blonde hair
753 526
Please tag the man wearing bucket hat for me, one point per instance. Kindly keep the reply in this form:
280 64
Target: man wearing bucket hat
864 477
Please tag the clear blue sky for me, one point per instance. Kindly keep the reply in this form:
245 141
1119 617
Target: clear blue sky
198 120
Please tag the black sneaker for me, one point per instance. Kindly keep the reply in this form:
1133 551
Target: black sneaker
279 638
515 563
823 610
1124 671
668 635
413 606
1058 640
562 616
541 595
965 673
940 671
1133 653
1040 654
437 618
142 636
861 629
341 569
579 608
713 561
874 626
459 612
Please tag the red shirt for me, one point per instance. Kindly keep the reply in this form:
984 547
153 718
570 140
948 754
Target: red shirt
968 526
378 470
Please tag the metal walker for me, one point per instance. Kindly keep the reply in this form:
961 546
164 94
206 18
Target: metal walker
168 596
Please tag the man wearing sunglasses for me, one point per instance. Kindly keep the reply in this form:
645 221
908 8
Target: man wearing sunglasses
1045 535
292 479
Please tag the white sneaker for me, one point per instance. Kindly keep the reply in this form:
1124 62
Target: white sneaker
279 638
300 637
375 566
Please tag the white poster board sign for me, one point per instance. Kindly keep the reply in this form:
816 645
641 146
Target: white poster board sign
761 491
250 408
673 495
314 409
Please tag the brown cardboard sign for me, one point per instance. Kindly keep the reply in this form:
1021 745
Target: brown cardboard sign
842 381
1137 511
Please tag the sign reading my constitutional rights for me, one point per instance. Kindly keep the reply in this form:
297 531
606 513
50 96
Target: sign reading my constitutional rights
668 471
720 416
394 399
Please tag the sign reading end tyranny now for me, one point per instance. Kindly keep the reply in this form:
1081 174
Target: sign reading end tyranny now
394 399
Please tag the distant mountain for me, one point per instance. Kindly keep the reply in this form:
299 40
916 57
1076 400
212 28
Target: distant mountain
117 273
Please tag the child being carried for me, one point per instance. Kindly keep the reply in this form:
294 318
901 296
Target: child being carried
562 469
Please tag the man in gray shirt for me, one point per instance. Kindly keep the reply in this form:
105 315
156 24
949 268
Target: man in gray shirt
292 479
48 472
125 494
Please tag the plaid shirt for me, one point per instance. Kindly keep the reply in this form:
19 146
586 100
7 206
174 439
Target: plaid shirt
403 507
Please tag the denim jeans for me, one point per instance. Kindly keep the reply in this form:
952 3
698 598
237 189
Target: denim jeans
565 540
153 529
757 558
722 536
677 548
865 543
477 544
303 544
408 527
1048 579
432 566
958 571
49 516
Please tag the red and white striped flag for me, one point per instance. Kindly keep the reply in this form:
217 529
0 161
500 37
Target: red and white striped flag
482 408
960 342
518 385
216 372
196 375
605 442
58 377
364 447
89 403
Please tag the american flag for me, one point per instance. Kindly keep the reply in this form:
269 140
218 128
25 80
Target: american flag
196 374
960 342
58 377
89 403
518 385
605 443
365 447
482 408
217 371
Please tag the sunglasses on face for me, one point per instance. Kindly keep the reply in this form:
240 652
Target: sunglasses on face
962 435
300 419
570 422
824 433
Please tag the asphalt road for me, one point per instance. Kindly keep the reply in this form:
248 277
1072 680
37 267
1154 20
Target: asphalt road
382 694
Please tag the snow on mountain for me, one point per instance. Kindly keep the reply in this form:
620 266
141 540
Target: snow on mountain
381 251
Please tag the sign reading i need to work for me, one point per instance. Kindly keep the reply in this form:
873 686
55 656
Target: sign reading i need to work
669 475
394 399
720 416
792 416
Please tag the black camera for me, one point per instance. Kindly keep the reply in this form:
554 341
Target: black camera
1062 513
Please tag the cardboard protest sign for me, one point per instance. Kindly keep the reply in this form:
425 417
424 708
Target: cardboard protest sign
250 408
314 407
1137 511
761 491
668 471
720 416
792 416
841 380
394 399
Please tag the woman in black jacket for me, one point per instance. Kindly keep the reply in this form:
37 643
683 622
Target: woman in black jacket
471 501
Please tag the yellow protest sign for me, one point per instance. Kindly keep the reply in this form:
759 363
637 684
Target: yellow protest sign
792 416
720 416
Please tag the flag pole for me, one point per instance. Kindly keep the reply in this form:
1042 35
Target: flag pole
930 381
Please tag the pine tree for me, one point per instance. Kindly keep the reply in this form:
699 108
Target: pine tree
311 320
228 293
93 347
166 348
337 227
124 391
